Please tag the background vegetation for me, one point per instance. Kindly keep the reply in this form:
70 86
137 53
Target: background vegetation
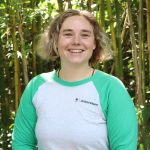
127 22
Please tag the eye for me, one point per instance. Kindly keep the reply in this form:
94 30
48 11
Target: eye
85 35
68 34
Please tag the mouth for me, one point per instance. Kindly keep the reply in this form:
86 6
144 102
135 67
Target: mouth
76 50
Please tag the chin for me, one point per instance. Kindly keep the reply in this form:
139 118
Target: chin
78 62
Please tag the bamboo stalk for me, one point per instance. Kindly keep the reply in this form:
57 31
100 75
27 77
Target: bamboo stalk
16 63
148 34
2 89
124 28
69 4
34 68
101 11
118 39
138 95
33 3
60 6
141 50
102 14
24 60
113 36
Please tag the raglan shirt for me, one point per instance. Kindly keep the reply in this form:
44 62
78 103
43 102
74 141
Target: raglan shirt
96 113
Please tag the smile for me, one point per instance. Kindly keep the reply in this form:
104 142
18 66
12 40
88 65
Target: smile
75 50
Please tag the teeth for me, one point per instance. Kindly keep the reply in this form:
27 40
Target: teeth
75 50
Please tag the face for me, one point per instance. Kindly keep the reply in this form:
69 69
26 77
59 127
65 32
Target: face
76 41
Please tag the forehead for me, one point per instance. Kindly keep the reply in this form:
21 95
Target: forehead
77 22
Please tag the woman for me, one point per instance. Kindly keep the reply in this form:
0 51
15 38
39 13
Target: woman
75 107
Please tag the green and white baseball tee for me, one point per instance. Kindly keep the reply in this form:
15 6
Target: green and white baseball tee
96 113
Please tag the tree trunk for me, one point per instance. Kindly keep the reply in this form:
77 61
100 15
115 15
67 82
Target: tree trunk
148 34
69 4
138 95
24 60
60 6
124 28
141 50
101 18
113 37
34 30
102 14
119 69
16 63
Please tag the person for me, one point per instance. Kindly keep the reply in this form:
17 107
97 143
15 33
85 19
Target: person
75 107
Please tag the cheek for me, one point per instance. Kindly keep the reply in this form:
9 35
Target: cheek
62 43
90 46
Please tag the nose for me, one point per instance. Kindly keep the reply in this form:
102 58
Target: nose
76 39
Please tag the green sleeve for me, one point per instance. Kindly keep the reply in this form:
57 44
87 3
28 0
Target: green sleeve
23 137
121 118
119 111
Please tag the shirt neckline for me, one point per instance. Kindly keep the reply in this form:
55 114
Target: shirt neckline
72 83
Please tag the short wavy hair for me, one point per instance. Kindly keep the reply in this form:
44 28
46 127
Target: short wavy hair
47 45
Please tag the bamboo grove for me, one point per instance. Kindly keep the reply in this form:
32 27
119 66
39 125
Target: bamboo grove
126 22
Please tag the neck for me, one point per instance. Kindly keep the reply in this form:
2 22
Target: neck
75 73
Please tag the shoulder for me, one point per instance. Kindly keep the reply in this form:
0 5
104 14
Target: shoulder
43 77
107 80
40 79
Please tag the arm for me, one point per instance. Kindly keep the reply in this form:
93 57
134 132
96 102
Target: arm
121 118
23 137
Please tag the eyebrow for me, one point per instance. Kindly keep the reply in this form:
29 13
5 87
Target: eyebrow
67 30
83 30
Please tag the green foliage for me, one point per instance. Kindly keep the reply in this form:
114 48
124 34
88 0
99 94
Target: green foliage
143 113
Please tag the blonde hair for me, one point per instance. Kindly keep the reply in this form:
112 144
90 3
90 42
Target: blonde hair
47 45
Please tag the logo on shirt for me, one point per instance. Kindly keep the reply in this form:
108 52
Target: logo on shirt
85 101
